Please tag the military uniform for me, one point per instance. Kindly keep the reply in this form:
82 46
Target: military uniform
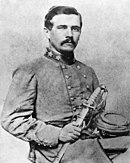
43 97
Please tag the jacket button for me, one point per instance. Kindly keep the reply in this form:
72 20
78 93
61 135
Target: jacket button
74 109
63 66
72 98
78 67
87 86
87 98
85 76
67 76
69 87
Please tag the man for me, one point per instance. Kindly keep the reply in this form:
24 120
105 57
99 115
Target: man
45 96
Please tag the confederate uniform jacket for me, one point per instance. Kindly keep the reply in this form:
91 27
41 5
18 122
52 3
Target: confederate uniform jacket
43 97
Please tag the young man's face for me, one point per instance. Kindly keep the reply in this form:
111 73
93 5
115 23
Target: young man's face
65 32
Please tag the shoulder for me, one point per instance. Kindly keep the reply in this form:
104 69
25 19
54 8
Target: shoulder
85 67
31 67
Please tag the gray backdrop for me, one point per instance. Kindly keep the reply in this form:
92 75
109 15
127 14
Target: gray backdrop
104 45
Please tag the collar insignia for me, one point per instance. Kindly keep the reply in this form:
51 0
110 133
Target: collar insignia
58 57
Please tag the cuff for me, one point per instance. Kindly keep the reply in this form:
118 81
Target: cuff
48 135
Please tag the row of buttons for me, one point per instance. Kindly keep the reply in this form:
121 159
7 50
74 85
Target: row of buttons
69 87
67 76
64 66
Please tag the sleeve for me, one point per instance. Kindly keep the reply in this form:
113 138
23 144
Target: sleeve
19 107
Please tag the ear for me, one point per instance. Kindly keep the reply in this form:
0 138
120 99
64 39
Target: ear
47 32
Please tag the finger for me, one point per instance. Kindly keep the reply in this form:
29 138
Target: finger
77 133
74 137
74 123
77 129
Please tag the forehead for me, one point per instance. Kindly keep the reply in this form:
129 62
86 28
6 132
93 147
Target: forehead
63 19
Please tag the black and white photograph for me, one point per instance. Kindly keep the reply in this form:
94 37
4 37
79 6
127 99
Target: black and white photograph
64 81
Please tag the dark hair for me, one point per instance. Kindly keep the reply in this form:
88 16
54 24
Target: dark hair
57 10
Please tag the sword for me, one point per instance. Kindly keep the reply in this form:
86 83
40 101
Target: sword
99 90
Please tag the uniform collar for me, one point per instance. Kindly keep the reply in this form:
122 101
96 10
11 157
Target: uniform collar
59 57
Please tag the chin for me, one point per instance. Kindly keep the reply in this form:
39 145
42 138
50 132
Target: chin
67 50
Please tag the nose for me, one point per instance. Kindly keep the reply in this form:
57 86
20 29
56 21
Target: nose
69 32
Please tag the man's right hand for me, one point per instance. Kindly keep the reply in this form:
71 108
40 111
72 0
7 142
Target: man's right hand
70 133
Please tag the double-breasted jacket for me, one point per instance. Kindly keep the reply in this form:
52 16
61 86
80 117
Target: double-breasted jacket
43 97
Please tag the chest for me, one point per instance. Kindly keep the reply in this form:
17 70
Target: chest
61 81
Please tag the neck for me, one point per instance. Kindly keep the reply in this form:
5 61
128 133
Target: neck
67 57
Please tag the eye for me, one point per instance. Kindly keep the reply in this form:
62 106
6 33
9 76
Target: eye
76 28
62 27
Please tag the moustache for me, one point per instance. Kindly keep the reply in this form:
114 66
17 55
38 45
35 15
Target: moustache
68 41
